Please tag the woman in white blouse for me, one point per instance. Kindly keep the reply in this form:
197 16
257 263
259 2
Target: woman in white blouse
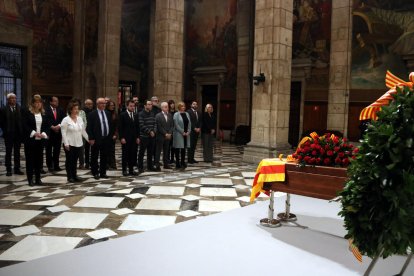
35 131
73 129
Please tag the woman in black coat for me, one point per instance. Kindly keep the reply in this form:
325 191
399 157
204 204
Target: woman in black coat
35 132
208 132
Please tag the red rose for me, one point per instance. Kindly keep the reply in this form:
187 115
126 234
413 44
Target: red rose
356 150
314 152
344 139
312 146
345 162
312 161
341 154
338 160
329 153
318 147
300 157
353 156
336 149
307 143
327 161
318 160
335 140
306 159
327 147
322 151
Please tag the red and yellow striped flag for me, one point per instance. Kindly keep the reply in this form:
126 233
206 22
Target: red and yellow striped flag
354 250
392 82
269 170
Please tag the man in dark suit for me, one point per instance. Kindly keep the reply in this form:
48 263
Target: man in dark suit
138 106
100 131
148 129
163 136
129 135
87 109
11 124
54 115
195 118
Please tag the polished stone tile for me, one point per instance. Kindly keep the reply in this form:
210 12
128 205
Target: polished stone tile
249 182
159 204
193 185
248 174
228 192
179 182
217 206
33 247
244 198
25 230
99 202
37 194
135 196
224 175
165 190
188 213
55 179
14 177
51 202
57 209
16 217
77 220
146 222
122 183
190 197
122 211
216 181
101 234
123 191
241 187
236 177
24 188
13 198
61 191
103 186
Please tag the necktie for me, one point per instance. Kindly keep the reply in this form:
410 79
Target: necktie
166 117
195 111
105 130
12 108
131 115
54 113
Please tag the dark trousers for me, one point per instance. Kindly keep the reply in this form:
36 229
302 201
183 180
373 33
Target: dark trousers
208 146
193 144
129 156
179 162
87 149
12 143
100 150
111 155
172 151
33 151
82 154
147 144
53 150
71 162
164 146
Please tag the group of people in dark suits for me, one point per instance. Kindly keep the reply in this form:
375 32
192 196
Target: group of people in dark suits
88 135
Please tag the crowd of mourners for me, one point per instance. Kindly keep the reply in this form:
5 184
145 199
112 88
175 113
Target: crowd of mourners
89 133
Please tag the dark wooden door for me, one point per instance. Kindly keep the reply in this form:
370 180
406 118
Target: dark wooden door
315 116
294 114
354 131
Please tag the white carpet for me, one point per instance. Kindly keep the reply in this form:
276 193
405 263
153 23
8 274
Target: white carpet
229 243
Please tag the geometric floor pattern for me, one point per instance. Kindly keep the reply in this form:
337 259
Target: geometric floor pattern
60 216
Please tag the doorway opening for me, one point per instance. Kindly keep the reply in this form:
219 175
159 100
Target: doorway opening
11 73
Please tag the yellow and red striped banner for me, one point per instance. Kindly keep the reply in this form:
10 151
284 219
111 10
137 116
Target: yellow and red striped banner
269 170
354 250
392 82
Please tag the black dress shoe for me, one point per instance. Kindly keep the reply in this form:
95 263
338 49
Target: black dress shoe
104 176
42 171
77 179
183 165
71 180
194 161
18 172
38 182
58 169
9 174
157 169
133 173
167 167
30 182
96 176
125 173
140 171
191 162
87 166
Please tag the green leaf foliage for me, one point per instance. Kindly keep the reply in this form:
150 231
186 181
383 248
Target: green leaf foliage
378 198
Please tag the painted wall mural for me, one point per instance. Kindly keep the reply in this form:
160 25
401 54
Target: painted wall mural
383 34
135 33
211 40
312 38
52 24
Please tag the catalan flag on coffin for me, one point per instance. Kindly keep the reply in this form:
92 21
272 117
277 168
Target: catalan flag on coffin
269 170
392 82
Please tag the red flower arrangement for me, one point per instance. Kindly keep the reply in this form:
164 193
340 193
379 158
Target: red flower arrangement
326 150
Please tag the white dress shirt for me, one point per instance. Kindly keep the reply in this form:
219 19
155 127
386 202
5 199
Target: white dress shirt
38 119
72 132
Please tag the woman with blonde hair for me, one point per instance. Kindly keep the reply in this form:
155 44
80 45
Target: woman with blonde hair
208 130
181 138
35 132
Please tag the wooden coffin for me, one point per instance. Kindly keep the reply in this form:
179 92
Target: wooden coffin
318 182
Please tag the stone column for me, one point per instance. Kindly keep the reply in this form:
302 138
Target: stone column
271 99
340 66
244 14
168 50
109 37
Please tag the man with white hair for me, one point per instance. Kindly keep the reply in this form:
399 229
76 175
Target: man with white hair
163 136
11 124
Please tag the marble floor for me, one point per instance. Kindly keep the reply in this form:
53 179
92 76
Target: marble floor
59 216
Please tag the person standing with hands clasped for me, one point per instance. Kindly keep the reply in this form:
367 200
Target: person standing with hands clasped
36 128
182 130
195 118
148 128
165 126
101 132
73 129
129 136
208 130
